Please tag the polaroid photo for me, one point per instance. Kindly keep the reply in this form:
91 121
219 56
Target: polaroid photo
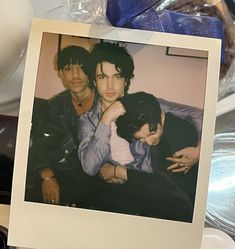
114 139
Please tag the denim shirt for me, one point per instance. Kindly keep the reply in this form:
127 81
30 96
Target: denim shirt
94 139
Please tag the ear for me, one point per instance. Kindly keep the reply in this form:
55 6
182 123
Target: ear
60 74
162 118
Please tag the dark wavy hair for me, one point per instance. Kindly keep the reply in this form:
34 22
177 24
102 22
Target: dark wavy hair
141 108
114 54
73 55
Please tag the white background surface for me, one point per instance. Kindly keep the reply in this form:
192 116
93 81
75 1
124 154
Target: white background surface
10 91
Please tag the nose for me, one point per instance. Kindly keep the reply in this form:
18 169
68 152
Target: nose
149 140
110 83
76 72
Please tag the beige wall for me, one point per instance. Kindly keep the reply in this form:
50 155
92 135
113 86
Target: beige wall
174 78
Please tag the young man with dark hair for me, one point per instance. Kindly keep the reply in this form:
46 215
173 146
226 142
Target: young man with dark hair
53 164
111 83
163 132
102 151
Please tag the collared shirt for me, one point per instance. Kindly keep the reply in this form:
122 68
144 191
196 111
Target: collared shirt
85 105
94 149
94 137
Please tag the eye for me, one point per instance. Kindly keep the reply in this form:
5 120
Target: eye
118 76
100 77
67 68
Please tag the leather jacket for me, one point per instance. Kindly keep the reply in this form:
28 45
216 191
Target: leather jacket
54 138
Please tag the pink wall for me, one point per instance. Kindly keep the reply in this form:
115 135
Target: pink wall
174 78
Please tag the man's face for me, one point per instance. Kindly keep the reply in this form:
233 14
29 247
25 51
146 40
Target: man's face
109 82
74 78
151 138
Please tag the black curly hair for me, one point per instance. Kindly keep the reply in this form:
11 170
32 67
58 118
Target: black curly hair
141 108
73 55
114 54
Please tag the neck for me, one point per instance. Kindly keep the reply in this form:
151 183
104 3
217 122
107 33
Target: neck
82 95
104 105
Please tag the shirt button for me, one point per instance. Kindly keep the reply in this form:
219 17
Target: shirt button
66 151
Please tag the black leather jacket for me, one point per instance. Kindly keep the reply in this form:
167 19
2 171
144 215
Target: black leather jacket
54 138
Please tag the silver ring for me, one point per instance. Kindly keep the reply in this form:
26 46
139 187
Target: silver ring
180 165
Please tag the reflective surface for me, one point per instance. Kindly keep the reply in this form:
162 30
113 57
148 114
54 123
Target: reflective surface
221 195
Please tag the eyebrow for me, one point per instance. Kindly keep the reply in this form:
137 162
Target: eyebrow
103 74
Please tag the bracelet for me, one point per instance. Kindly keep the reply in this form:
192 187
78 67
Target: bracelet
115 167
47 178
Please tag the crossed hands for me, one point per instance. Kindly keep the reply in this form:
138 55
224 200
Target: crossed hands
113 173
184 159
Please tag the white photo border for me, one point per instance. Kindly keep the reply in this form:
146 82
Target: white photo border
37 225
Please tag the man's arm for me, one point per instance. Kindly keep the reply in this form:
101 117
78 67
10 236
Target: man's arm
39 161
188 155
190 113
94 138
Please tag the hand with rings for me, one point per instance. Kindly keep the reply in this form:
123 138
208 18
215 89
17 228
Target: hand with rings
179 167
184 159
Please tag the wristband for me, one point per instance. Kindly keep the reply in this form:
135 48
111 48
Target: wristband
47 178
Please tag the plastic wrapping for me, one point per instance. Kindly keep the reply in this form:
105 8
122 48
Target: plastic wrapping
86 11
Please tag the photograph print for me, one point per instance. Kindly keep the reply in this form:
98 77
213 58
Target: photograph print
111 133
115 126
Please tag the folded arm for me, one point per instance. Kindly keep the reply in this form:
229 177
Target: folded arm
94 145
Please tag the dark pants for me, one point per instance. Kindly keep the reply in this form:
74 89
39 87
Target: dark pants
150 195
187 182
76 188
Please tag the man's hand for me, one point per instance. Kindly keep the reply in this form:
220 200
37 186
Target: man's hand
115 180
184 159
112 113
113 174
51 191
50 187
107 171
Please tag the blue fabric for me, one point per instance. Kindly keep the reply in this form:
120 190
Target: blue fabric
120 12
165 21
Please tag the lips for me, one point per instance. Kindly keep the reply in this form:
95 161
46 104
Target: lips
110 94
77 82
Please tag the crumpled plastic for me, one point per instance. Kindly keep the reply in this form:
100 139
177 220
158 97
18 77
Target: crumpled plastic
85 11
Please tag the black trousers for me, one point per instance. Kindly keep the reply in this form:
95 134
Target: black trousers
150 195
76 188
